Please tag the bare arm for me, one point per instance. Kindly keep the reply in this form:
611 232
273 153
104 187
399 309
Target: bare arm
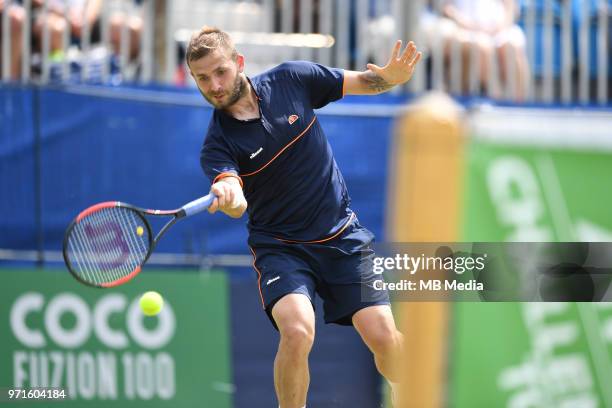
375 79
364 83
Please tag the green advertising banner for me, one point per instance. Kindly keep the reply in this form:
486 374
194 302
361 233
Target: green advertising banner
529 194
535 176
99 349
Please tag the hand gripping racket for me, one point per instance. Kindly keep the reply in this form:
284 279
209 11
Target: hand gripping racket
107 244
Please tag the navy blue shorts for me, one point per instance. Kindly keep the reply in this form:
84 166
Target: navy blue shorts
339 271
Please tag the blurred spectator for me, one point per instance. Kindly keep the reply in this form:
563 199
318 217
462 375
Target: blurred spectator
61 16
489 26
118 20
74 14
16 19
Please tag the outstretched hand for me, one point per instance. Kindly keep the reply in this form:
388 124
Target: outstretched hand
400 67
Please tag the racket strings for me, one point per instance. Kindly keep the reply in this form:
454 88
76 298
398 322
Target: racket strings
105 246
90 256
91 250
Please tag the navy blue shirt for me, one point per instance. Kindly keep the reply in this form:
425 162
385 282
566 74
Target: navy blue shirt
291 181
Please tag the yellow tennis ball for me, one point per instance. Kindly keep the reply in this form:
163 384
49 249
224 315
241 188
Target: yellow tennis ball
140 231
151 303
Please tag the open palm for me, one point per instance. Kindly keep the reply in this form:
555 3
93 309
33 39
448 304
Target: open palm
400 67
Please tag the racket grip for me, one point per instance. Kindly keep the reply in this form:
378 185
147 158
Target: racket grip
198 205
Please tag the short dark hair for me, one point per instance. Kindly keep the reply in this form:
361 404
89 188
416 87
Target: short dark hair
207 40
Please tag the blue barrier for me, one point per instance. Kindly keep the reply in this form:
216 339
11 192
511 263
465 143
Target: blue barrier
142 146
18 190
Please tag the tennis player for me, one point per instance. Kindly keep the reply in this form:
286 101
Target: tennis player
266 152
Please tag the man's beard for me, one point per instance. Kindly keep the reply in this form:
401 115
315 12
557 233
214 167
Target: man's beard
237 92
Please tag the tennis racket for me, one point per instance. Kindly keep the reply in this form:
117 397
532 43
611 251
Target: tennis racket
107 244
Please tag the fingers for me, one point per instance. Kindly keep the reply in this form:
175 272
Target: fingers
396 50
409 52
230 196
226 197
223 193
410 56
214 206
416 59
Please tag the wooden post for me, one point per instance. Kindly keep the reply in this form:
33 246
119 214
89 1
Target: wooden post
424 205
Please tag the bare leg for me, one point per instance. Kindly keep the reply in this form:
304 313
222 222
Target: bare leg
376 326
57 26
17 17
135 26
117 22
486 51
522 71
294 317
465 45
513 47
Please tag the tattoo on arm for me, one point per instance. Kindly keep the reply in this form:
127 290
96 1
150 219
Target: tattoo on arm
374 82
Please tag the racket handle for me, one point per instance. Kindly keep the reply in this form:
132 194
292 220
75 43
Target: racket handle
198 205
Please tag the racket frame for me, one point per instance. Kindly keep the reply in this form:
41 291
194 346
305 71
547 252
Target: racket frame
191 208
142 213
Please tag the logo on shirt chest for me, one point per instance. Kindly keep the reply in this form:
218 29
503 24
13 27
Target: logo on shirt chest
254 154
292 119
